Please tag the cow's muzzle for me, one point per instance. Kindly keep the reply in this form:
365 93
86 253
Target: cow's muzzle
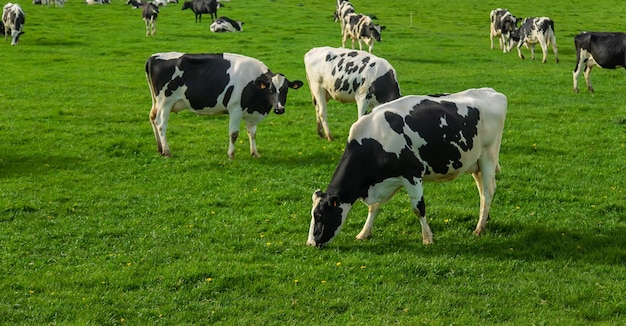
279 110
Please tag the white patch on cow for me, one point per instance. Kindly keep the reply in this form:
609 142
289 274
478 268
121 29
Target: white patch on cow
168 55
443 122
177 73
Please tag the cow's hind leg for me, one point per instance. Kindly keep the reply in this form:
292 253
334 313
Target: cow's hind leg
159 116
486 184
588 78
369 223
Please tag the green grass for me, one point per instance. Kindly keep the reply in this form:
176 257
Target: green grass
97 228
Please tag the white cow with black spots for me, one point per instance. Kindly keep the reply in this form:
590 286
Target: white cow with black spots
348 76
404 142
532 31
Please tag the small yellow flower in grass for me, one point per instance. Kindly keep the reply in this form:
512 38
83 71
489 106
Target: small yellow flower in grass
128 264
212 212
269 243
295 281
338 263
323 282
31 291
446 221
209 279
122 320
363 267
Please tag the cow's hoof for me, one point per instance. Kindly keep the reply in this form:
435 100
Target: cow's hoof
255 155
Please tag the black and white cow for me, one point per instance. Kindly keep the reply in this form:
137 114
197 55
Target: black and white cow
602 49
149 13
502 23
200 7
361 28
225 24
13 20
405 142
348 76
342 10
135 3
240 86
532 31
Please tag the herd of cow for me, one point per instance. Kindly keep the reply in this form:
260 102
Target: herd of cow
402 142
602 49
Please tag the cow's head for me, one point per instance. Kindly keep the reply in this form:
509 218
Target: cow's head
327 217
16 36
277 88
187 5
373 31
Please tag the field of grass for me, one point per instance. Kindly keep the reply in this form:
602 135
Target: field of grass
97 228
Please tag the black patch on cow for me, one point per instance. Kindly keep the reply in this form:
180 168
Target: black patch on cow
330 57
396 122
366 164
608 49
353 54
205 75
254 99
443 143
385 88
229 93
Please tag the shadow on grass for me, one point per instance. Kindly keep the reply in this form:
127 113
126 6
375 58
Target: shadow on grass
16 166
513 242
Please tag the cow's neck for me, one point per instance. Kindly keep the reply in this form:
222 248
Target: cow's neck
347 182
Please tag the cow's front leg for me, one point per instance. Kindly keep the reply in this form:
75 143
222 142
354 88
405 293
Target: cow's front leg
251 130
231 144
369 223
519 51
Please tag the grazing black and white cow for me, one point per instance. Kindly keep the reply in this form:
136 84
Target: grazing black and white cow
532 31
502 23
13 20
361 28
348 76
225 24
200 7
149 13
135 3
405 142
240 86
602 49
342 10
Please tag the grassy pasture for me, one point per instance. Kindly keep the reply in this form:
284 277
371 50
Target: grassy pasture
97 228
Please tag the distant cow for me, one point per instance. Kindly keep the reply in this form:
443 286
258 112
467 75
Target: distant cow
342 10
240 86
13 20
149 13
405 142
361 28
135 3
502 23
225 24
532 31
602 49
200 7
348 76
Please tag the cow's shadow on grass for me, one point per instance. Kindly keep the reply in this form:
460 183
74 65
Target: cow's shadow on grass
510 242
15 165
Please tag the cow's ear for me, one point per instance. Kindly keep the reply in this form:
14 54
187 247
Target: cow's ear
261 84
295 84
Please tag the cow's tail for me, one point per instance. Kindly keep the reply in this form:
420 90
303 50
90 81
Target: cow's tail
151 85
